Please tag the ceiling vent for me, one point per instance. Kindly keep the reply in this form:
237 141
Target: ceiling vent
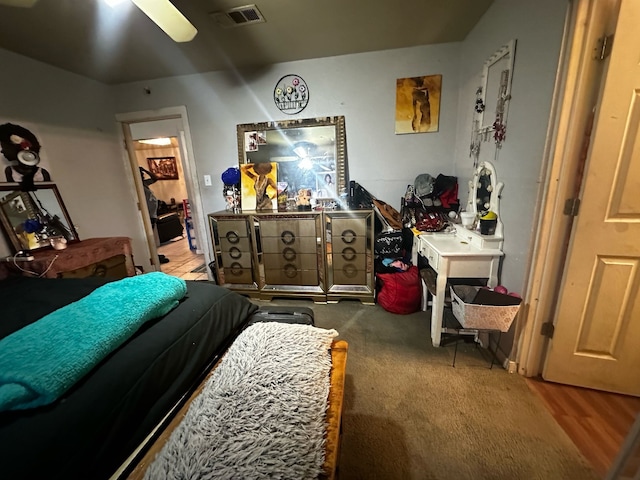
238 16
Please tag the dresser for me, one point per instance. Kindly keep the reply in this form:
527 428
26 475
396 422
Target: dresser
109 257
325 256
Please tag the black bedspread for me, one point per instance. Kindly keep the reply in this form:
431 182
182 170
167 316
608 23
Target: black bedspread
92 429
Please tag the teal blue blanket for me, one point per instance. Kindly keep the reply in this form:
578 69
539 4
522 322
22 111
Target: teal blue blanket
41 361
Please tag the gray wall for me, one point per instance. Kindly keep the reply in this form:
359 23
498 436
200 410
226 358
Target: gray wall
73 118
360 87
537 27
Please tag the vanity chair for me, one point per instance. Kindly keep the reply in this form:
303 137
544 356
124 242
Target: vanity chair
464 252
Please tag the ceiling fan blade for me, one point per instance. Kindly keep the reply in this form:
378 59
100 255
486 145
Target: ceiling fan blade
18 3
168 18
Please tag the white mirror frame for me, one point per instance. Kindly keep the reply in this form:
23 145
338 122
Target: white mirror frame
494 93
486 168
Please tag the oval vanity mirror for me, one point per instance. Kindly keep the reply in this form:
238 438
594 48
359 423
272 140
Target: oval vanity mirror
484 193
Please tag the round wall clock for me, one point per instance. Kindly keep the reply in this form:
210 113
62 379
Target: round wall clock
291 94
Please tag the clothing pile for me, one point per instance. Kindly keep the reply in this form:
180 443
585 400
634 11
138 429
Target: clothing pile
429 201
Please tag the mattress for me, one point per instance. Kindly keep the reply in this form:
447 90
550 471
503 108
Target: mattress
92 429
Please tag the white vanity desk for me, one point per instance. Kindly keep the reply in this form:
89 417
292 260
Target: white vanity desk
463 253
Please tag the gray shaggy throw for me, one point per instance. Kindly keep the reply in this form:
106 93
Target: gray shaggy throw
261 413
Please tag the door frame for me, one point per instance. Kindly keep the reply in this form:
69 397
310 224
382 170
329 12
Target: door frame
578 87
190 175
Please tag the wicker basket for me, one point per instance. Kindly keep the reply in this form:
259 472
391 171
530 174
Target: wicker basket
483 317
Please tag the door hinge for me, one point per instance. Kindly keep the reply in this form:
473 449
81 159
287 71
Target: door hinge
603 49
547 329
571 207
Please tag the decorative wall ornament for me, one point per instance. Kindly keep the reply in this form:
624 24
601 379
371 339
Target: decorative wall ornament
479 101
418 104
291 94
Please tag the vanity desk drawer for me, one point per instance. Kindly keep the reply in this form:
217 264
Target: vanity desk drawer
428 253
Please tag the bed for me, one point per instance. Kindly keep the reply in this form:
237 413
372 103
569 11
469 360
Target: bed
94 427
103 426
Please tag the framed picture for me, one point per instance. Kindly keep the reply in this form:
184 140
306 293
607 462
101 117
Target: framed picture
165 168
418 104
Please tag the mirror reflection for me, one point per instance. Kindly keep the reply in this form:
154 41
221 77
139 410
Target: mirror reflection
35 219
310 155
483 191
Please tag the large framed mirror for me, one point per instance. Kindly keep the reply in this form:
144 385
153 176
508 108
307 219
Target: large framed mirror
311 154
35 219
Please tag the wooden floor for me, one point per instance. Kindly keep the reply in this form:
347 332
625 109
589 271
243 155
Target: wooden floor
182 260
597 422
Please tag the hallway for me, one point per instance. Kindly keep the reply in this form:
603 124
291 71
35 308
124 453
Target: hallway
182 261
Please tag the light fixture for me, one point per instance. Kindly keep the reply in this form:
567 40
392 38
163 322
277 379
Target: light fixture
162 12
168 18
19 3
156 141
301 152
303 149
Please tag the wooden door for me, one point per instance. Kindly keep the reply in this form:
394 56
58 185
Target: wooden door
596 343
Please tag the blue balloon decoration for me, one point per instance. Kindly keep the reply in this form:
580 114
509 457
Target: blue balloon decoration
231 176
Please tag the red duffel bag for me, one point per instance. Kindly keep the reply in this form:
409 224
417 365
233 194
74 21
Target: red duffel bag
400 292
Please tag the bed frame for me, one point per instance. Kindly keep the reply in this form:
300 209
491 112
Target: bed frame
137 468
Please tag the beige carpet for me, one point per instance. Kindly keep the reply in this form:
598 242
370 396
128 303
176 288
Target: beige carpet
409 414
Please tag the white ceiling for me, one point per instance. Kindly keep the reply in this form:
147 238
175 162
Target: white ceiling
118 45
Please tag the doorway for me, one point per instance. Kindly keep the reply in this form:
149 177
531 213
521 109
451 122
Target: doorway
591 90
181 237
175 240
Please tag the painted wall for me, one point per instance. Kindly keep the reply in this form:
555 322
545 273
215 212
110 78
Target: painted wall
360 87
73 118
537 27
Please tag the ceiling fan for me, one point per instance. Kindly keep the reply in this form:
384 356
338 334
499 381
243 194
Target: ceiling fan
162 12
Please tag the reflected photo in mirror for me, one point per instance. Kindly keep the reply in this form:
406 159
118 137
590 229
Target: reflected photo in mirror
35 219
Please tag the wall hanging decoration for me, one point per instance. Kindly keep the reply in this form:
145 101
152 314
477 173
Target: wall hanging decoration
291 94
165 168
418 104
21 148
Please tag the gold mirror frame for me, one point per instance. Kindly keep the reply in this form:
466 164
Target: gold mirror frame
44 206
275 142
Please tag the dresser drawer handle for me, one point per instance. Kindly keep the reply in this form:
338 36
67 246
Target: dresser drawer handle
350 270
289 254
232 237
290 271
235 268
349 236
349 254
288 237
235 253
